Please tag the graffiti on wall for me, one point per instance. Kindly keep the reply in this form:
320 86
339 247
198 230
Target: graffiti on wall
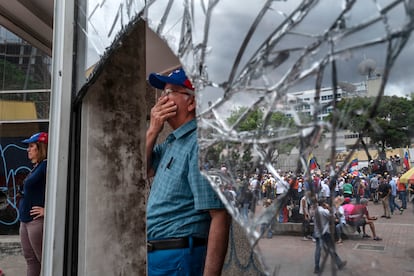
13 169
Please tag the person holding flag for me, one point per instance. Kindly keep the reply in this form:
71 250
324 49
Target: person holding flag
353 166
313 165
406 160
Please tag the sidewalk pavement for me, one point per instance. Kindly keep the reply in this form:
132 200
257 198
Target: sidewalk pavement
290 255
394 255
12 262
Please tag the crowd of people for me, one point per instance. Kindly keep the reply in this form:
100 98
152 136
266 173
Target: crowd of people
314 201
348 197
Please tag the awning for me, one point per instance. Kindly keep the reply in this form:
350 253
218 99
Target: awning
17 111
31 20
408 176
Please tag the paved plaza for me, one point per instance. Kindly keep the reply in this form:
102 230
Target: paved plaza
394 255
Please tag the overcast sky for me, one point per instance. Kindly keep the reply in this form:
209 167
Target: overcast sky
230 21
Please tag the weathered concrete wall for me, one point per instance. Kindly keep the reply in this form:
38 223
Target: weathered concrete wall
113 186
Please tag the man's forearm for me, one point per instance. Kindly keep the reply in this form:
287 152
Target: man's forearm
217 242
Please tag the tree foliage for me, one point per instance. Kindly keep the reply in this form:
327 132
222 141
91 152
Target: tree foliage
252 124
389 125
14 78
254 120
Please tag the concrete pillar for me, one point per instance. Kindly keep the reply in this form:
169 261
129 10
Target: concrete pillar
113 191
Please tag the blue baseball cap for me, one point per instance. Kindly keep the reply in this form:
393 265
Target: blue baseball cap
41 137
177 77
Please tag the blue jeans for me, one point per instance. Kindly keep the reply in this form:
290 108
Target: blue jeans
339 230
177 262
263 228
357 198
403 197
393 204
245 211
306 229
326 243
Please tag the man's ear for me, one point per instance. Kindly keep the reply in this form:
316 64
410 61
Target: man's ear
191 104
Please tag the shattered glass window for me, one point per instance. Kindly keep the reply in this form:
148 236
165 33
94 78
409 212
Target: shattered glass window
271 77
290 94
100 22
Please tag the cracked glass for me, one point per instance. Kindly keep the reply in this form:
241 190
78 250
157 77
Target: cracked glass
290 94
99 24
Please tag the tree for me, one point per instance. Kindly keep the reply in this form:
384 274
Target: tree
14 77
390 124
253 125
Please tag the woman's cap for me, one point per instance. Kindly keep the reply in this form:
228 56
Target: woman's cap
177 77
41 137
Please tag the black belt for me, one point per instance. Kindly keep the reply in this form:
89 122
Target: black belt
174 243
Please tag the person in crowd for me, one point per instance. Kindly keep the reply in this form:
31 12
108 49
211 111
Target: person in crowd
306 211
269 186
323 236
365 190
373 185
348 207
384 192
339 187
255 186
229 194
266 227
402 192
393 195
356 187
206 165
348 189
223 169
315 184
32 203
325 190
397 164
187 224
281 187
340 220
301 188
294 190
389 165
245 201
360 217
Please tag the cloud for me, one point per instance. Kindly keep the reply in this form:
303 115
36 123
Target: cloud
231 21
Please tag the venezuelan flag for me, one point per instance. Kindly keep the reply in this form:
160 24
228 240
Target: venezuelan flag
406 160
313 165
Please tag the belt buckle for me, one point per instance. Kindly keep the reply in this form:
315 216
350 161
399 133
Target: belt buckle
150 247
